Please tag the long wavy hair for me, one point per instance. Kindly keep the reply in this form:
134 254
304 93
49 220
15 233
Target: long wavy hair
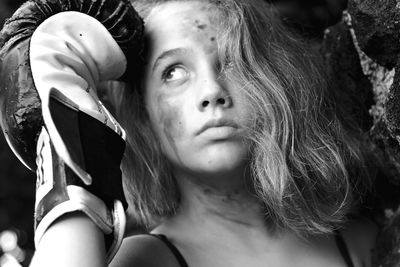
306 167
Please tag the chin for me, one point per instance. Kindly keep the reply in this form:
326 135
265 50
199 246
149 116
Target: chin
219 160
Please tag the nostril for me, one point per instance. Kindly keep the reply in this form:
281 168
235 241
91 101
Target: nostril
221 101
205 103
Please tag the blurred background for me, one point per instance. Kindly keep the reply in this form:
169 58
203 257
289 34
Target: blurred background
17 187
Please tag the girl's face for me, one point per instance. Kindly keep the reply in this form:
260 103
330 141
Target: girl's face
198 116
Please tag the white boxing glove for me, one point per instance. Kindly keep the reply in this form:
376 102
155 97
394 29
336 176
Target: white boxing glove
70 54
56 63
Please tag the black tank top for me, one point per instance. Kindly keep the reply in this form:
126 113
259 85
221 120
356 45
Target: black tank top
340 243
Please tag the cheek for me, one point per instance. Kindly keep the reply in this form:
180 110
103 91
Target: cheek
170 117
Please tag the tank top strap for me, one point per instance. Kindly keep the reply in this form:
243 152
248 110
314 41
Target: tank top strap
343 249
178 255
340 243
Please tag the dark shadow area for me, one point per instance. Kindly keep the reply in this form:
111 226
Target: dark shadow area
17 189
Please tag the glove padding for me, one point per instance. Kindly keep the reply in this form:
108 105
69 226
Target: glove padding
70 54
48 79
20 105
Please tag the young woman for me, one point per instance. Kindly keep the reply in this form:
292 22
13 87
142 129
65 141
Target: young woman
236 155
251 166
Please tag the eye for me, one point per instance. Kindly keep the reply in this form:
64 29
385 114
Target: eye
174 73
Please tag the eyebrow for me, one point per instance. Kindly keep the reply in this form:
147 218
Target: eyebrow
169 53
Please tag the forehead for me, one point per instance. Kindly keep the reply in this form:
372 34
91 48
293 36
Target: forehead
176 10
180 19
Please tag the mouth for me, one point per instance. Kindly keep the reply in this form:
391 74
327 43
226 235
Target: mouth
219 128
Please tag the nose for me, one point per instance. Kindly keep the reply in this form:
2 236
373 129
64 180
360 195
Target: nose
213 95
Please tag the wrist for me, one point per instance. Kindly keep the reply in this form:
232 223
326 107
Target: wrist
60 193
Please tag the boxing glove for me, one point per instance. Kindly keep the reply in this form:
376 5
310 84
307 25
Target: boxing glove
53 55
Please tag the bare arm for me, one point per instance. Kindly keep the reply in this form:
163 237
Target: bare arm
73 240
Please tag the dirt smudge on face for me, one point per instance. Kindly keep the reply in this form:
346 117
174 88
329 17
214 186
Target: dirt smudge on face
170 121
201 30
200 26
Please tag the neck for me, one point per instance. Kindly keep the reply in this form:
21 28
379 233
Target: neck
226 218
230 203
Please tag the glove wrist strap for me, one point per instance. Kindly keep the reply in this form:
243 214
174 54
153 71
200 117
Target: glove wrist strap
56 196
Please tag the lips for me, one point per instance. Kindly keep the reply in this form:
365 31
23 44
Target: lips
219 127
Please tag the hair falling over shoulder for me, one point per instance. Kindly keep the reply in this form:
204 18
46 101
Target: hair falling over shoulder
306 167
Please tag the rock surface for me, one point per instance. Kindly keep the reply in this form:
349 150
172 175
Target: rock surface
377 29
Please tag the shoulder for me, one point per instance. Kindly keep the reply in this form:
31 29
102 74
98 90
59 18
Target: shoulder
144 250
360 236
